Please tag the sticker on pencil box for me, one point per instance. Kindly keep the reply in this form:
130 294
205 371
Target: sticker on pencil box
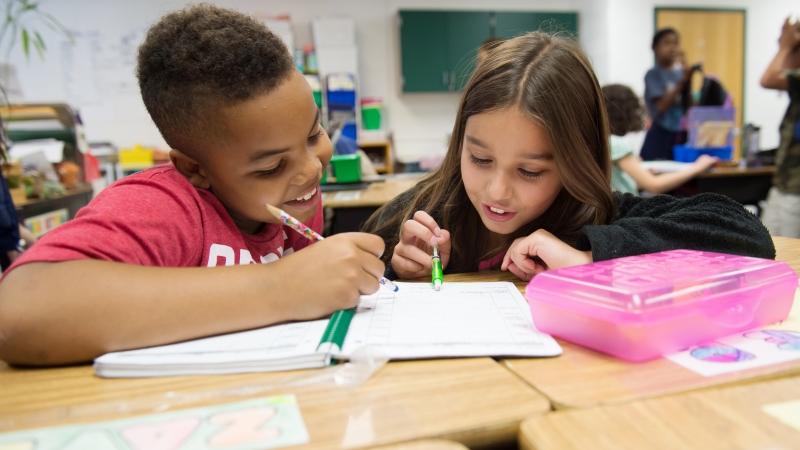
741 351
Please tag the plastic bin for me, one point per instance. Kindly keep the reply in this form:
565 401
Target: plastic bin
371 112
699 115
684 153
347 168
136 158
641 307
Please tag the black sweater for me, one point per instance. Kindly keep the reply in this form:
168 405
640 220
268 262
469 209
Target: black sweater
709 222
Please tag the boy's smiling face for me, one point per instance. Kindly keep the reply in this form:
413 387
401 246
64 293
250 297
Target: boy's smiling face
274 152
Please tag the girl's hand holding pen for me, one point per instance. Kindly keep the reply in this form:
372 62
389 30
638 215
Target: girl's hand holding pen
550 253
412 255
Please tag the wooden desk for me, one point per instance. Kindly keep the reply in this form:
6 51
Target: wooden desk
719 172
378 194
349 214
583 378
745 185
728 418
427 444
473 401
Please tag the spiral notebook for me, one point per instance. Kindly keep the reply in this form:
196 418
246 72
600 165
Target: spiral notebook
460 320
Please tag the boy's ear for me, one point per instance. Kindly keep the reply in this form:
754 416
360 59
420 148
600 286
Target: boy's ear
190 169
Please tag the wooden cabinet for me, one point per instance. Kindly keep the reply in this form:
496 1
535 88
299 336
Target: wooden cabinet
438 48
466 31
380 153
511 24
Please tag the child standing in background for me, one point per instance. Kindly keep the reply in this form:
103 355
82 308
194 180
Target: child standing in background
625 116
664 89
526 182
782 214
188 249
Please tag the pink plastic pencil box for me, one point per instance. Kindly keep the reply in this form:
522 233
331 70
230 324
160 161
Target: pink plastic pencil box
641 307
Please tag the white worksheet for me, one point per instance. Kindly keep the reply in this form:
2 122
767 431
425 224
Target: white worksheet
462 319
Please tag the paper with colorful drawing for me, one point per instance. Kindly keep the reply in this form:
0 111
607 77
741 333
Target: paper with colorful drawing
773 344
262 423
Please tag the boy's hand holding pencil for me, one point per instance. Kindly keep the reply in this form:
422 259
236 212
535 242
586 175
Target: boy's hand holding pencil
412 255
338 270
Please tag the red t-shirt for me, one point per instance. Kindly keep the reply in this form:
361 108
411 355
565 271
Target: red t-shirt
157 218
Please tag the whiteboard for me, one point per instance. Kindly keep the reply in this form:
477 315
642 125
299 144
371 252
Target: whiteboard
96 75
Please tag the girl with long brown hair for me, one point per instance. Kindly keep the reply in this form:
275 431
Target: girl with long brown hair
525 184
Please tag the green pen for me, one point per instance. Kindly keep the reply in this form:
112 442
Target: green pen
336 331
436 269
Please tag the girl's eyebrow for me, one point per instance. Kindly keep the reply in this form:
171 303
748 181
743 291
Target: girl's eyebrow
476 141
536 156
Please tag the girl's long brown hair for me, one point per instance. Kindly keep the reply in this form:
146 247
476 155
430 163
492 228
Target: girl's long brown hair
550 79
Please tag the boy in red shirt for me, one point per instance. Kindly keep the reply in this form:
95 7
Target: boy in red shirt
132 269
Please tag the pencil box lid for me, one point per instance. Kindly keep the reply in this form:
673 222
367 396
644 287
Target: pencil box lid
636 290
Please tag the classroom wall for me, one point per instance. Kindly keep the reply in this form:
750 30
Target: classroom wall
630 29
421 122
616 34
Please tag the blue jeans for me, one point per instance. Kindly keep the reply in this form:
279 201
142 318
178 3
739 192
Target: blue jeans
658 143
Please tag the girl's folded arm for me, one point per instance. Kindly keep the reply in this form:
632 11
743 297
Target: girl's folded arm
709 222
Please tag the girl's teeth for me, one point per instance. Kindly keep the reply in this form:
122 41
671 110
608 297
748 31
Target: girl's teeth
498 211
307 197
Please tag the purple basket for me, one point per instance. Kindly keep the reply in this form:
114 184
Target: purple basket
699 114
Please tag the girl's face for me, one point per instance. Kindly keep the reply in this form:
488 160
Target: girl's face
508 169
667 49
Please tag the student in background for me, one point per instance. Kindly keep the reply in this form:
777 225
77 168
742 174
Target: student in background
9 227
625 115
782 214
134 268
9 224
526 182
665 87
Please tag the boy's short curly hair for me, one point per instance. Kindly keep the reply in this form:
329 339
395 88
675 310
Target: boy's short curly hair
625 111
199 59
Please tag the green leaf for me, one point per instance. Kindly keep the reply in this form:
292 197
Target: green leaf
38 38
25 42
52 21
14 29
38 44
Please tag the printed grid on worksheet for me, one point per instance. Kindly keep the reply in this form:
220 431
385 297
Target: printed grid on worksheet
461 313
